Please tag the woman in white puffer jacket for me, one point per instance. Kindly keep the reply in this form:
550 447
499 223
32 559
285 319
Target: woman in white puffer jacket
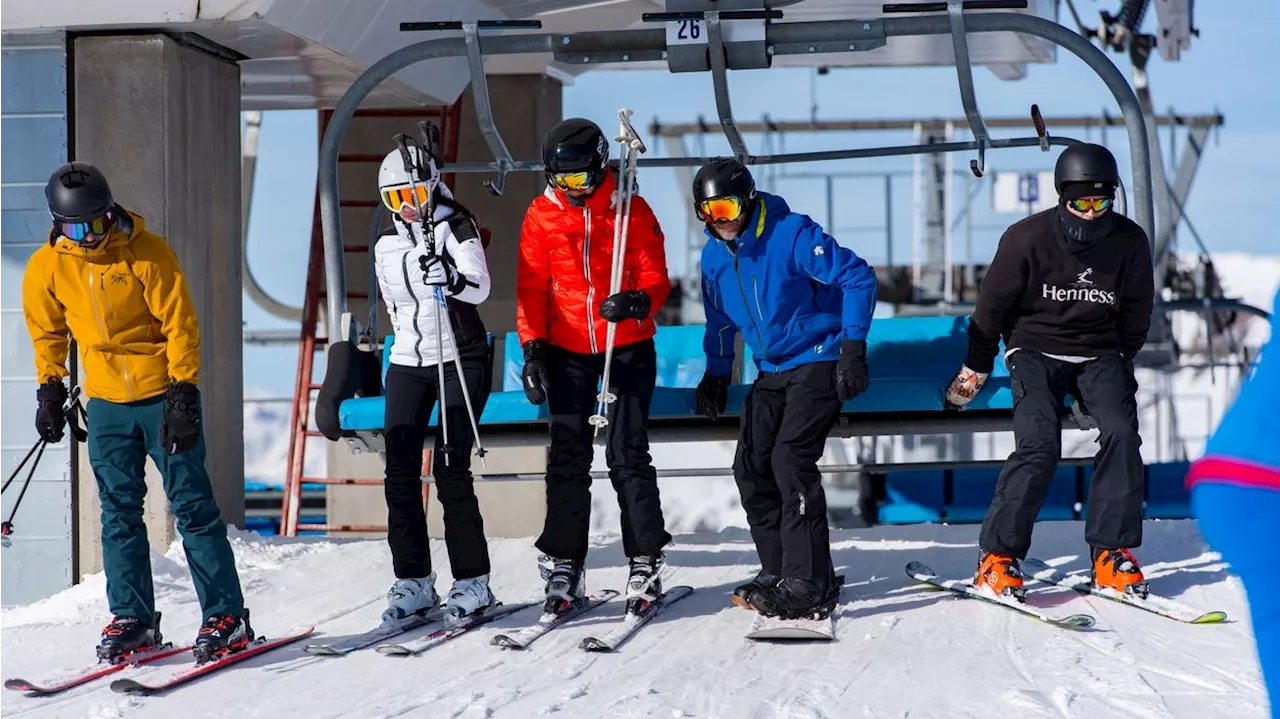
419 273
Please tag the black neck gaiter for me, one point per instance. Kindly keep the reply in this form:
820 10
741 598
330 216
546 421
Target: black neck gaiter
1081 233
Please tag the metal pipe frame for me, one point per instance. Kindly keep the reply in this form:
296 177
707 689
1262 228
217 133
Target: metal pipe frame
968 95
679 129
788 38
720 85
484 109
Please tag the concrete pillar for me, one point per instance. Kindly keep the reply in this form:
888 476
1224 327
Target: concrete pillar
162 118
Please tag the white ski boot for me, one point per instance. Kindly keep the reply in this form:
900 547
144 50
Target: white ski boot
409 599
566 582
470 596
644 586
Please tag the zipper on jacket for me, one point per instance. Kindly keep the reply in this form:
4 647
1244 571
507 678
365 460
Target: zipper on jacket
764 349
408 285
586 267
102 331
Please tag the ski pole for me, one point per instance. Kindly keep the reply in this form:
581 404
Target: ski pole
631 145
404 142
6 527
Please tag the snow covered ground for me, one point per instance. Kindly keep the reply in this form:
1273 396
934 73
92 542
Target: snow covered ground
901 651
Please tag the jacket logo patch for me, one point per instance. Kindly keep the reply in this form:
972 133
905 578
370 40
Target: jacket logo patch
119 277
818 252
1082 290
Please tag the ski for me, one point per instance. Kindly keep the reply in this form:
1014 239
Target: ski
258 646
1169 608
631 623
524 637
451 630
97 672
346 645
960 588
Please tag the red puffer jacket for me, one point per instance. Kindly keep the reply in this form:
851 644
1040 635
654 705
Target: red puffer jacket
566 258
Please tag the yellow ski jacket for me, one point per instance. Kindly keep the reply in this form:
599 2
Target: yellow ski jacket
126 304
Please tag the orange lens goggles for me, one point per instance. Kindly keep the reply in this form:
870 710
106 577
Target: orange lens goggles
397 196
720 209
1097 204
572 180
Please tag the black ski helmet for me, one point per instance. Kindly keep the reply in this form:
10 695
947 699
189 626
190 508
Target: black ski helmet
723 177
78 192
1086 163
575 145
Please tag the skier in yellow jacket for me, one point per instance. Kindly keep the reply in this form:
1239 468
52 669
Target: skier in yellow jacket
117 289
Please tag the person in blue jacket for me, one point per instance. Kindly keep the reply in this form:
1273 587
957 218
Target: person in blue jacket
804 306
1235 496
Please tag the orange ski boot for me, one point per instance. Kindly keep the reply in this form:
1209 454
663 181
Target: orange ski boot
1117 569
1000 574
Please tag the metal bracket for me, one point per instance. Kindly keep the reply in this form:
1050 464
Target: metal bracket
968 97
688 36
484 110
720 82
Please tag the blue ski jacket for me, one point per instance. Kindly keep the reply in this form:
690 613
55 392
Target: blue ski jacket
788 286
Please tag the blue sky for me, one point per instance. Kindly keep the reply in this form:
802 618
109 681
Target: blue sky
1229 69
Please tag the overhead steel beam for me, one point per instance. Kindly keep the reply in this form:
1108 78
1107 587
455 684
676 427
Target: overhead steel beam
677 129
786 38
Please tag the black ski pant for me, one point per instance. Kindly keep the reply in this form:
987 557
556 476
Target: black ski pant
573 382
785 422
411 395
1040 385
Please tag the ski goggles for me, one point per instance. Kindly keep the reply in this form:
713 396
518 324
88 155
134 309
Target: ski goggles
1085 204
573 180
77 231
720 209
398 196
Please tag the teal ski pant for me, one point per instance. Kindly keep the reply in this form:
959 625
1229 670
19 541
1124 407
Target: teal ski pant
121 436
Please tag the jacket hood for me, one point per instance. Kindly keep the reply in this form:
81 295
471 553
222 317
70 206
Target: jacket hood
766 212
121 233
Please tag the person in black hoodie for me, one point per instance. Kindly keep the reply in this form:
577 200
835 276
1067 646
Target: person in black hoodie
1070 291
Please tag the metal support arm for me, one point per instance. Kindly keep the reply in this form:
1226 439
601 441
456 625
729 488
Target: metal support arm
720 82
968 96
609 44
484 109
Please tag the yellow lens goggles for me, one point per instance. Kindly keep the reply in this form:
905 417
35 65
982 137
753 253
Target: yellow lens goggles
571 180
720 209
1097 204
397 196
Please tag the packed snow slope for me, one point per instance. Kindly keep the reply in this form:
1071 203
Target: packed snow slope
901 650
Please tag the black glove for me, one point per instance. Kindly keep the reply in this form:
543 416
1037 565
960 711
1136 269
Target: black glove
851 370
180 428
713 395
440 271
627 305
535 371
51 418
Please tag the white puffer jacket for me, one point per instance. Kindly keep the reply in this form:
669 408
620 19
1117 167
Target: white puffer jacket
410 302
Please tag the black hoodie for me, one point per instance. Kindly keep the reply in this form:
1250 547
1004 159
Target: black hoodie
1056 286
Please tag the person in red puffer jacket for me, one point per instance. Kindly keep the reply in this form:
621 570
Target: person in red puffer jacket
563 311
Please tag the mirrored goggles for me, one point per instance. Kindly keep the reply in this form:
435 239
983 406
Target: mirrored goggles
720 209
572 180
1097 204
77 231
397 196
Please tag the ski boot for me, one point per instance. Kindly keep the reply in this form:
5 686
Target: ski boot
1000 574
762 580
220 635
794 598
1117 569
566 583
408 599
644 586
470 596
125 636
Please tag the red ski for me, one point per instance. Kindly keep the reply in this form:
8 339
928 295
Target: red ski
260 645
96 672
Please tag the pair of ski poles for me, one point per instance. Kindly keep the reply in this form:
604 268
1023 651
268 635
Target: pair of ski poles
68 409
631 147
412 152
